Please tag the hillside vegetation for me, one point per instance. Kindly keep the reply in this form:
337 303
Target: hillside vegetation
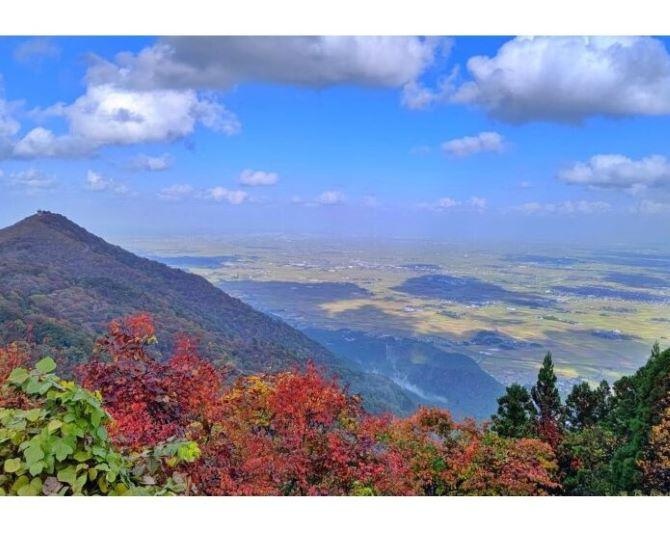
134 425
60 285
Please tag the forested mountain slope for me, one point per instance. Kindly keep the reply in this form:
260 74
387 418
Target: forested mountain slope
60 285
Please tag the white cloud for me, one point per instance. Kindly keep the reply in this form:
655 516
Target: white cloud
616 171
564 208
234 197
145 162
478 203
567 79
35 50
31 180
176 192
98 183
107 115
249 177
222 62
417 96
41 143
446 203
330 197
525 185
469 145
9 126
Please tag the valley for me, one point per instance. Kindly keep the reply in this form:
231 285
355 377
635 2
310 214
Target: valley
597 311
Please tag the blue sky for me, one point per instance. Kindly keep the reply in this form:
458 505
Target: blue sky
469 139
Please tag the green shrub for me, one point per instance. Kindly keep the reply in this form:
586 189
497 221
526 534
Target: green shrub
58 445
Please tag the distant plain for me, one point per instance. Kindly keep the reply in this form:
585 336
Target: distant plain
598 311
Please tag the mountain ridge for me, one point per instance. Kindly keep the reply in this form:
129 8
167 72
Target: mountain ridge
60 285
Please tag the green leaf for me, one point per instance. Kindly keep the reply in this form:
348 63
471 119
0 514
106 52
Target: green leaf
18 376
79 484
82 455
20 482
46 365
33 414
36 386
36 468
12 465
27 491
54 425
61 450
33 454
67 475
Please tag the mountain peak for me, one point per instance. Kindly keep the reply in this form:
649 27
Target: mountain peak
50 219
43 224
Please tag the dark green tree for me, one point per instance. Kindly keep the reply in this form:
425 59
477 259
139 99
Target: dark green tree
584 456
637 406
516 413
585 406
549 424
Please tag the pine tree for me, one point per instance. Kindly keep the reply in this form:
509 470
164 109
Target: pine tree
516 413
549 424
585 406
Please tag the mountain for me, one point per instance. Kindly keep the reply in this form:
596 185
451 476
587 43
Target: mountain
436 377
60 285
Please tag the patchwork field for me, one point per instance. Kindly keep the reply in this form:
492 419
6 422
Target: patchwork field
598 312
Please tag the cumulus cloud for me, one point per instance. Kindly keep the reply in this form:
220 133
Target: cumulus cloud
330 197
109 115
567 79
176 192
615 171
163 92
43 143
234 197
145 162
564 208
96 182
36 50
31 181
221 62
106 115
469 145
249 177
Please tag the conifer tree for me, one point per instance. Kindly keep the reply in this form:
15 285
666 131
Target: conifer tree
585 406
549 424
516 413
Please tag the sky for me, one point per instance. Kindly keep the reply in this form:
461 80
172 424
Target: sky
459 139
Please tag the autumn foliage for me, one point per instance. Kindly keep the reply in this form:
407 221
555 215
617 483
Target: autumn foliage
296 432
12 356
